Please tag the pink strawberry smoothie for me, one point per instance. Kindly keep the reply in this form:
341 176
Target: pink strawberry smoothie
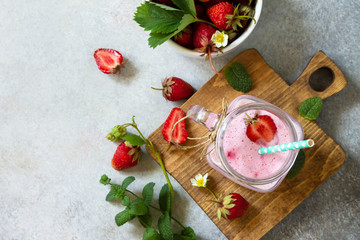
241 153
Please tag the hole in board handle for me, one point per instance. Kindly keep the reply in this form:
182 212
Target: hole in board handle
321 79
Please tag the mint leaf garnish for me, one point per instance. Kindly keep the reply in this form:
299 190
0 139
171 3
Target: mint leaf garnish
123 217
138 207
125 201
155 18
311 108
165 227
105 179
116 192
151 234
187 6
238 78
298 165
189 232
164 198
127 181
134 140
148 193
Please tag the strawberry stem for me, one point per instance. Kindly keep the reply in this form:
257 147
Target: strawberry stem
210 23
248 116
212 193
211 62
157 88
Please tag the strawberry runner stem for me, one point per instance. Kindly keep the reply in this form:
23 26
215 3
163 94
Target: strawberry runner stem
211 62
158 156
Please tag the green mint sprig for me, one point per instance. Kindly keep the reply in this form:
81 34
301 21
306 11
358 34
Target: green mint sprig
139 208
238 78
311 108
163 21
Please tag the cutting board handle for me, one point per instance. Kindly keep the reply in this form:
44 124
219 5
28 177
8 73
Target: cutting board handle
301 87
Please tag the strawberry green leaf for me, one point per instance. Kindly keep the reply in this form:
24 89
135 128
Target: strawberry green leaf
147 193
134 140
138 208
105 179
145 220
298 165
125 201
165 227
151 234
116 192
188 6
157 18
311 108
157 39
238 78
127 181
186 234
123 217
164 198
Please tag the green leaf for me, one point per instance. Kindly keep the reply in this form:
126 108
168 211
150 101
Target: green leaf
134 140
311 108
188 6
164 198
157 39
147 193
158 19
127 181
165 227
298 165
116 192
125 201
105 179
138 207
238 78
151 234
145 220
186 234
123 217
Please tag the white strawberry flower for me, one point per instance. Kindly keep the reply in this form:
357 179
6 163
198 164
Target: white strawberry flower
199 180
220 39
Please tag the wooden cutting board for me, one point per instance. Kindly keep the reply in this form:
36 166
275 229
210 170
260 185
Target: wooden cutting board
266 209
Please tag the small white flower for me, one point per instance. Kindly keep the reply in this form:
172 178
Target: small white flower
199 180
220 39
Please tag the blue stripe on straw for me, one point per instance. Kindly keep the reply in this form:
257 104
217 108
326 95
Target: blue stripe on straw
286 147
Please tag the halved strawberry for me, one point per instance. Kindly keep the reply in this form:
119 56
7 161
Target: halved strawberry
109 60
180 134
260 127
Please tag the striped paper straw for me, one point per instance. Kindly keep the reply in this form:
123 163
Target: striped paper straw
286 147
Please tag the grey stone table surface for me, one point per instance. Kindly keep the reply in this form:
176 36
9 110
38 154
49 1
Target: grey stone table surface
56 107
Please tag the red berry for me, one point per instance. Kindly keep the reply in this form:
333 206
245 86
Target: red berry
167 2
180 134
175 89
200 12
202 30
126 156
218 13
241 205
109 60
261 127
185 38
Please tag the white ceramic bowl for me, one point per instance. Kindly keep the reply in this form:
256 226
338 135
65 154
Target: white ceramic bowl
231 47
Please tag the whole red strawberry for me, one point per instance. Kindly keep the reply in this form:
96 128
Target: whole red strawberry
109 60
218 13
180 134
185 38
260 127
202 31
126 156
241 205
175 89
